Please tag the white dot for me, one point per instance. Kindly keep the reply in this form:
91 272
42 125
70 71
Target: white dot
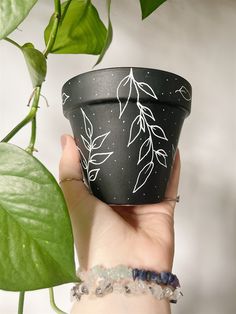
123 130
148 72
69 83
80 98
108 95
159 143
79 82
167 79
108 121
163 109
94 79
123 121
115 160
100 127
100 179
113 144
172 112
111 111
112 74
93 114
129 156
176 79
155 172
170 93
73 115
140 139
114 198
96 94
109 174
127 198
162 93
108 147
144 194
178 99
158 196
122 168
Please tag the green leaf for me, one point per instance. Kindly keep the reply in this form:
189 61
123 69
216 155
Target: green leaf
109 34
12 13
36 63
36 242
148 6
81 30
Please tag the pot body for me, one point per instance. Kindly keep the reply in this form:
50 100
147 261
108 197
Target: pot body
126 123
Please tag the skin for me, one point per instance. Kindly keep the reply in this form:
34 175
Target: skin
140 236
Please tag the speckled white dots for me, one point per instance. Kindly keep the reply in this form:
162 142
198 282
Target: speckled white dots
123 121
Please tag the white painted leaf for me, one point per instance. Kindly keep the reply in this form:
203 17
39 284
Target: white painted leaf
143 176
88 125
100 158
148 112
64 98
135 130
144 149
161 157
93 174
184 93
83 160
147 89
158 132
86 143
120 91
142 123
97 142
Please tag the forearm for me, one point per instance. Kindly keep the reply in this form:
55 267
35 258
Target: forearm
121 304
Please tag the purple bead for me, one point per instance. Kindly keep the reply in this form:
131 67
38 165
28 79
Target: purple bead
154 276
164 277
171 278
175 283
142 274
135 273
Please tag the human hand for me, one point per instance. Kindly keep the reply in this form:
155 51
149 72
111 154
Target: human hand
140 236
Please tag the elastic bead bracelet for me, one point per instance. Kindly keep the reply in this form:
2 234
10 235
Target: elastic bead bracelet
99 281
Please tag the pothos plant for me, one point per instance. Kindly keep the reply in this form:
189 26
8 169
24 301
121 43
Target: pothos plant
34 254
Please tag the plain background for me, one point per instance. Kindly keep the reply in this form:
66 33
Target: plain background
195 39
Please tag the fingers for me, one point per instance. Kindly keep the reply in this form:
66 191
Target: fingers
70 167
173 183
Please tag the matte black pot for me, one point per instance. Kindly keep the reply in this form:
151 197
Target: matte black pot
126 123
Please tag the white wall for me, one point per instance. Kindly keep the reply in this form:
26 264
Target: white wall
195 39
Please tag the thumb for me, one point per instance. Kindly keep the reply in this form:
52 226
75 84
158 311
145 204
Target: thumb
69 167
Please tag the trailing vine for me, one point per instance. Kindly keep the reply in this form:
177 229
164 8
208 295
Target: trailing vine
26 219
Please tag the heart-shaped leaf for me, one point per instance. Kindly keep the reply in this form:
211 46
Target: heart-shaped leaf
148 6
36 64
12 13
81 30
36 243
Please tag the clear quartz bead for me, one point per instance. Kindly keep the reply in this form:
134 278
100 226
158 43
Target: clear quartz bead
167 292
157 291
177 294
143 288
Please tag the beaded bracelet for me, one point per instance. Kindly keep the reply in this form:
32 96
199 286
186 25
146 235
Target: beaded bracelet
99 281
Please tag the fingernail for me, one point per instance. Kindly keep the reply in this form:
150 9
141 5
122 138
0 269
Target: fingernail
63 141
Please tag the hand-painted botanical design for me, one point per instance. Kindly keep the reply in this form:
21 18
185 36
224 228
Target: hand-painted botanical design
92 145
143 122
184 93
64 98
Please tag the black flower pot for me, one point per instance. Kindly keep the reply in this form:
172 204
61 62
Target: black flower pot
126 123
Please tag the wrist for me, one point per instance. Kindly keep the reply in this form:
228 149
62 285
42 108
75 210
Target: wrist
121 304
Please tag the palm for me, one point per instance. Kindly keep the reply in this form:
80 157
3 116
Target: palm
140 236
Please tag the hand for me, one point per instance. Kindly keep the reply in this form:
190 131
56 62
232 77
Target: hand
139 236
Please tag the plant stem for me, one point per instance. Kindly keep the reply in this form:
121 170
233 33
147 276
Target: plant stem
53 34
52 302
28 118
21 302
12 42
30 149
